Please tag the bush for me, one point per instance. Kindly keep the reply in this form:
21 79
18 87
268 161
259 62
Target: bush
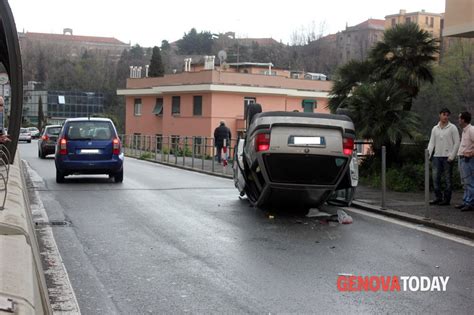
146 156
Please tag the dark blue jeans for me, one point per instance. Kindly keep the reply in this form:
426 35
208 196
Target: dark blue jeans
466 168
441 167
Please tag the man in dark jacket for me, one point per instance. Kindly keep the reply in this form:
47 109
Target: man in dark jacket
221 133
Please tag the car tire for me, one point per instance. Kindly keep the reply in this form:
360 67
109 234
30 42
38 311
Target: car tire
118 177
29 141
59 176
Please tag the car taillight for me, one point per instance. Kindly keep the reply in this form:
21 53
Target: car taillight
116 146
63 146
347 146
45 138
262 142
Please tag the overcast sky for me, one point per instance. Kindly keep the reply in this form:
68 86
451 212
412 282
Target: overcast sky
148 22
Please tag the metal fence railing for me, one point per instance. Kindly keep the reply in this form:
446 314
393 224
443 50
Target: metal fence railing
197 152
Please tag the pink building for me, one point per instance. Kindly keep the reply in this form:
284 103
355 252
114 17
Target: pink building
193 102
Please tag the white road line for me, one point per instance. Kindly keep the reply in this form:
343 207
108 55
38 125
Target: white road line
62 296
414 226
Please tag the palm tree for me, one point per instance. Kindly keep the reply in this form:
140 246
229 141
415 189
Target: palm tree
349 76
378 114
405 56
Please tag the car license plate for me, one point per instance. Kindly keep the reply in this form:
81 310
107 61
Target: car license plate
89 151
304 140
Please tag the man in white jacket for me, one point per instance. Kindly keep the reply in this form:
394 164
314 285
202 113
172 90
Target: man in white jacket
443 148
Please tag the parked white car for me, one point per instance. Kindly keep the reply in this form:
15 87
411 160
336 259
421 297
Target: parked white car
25 135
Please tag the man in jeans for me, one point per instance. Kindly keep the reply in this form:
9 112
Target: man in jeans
443 147
466 161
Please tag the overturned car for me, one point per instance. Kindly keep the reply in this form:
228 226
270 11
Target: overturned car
296 161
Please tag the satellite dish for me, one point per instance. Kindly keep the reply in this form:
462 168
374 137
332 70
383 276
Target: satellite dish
222 55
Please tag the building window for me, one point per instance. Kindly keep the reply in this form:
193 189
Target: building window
159 141
407 20
158 110
432 22
198 145
426 20
174 144
175 105
308 106
197 105
137 109
247 102
137 137
394 22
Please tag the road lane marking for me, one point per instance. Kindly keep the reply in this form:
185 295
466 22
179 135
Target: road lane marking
414 226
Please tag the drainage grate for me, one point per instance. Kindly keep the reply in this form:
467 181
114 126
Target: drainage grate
55 223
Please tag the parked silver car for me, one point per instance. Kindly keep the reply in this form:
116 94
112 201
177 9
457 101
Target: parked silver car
295 160
25 135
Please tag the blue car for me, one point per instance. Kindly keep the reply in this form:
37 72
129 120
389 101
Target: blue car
89 146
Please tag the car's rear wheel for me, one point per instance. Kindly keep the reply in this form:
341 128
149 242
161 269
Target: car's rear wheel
59 176
118 177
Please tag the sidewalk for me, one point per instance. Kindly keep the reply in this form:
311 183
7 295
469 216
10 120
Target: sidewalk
413 204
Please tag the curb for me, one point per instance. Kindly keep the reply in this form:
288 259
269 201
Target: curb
446 227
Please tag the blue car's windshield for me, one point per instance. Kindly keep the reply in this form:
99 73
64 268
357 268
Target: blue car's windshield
89 130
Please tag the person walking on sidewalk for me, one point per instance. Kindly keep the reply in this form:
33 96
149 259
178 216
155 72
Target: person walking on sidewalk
221 133
443 147
466 161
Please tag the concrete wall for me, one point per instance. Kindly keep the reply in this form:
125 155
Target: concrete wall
21 274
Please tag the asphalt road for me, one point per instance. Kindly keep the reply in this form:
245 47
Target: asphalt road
174 241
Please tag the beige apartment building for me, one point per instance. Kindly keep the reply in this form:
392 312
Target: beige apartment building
430 22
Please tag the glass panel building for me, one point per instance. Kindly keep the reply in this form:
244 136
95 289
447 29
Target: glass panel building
60 105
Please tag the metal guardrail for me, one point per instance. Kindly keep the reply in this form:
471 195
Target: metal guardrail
197 152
